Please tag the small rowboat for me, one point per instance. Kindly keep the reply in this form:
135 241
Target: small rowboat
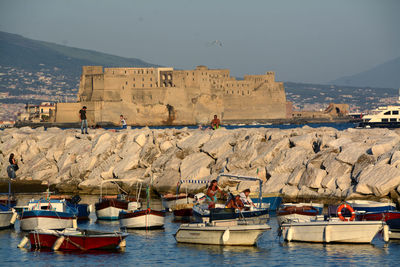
74 239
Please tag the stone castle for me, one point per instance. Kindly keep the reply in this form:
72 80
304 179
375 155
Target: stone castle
164 96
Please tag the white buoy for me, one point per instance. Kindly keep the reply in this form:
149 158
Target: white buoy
327 236
14 218
386 233
289 234
23 242
75 223
58 243
225 236
122 244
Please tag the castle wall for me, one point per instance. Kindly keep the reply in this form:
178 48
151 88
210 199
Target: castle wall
148 96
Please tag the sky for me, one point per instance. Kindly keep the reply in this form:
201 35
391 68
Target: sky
303 41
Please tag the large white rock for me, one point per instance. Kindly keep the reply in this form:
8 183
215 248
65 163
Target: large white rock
305 141
351 153
167 181
306 192
312 177
295 175
276 182
290 191
378 179
129 162
218 145
195 166
195 142
384 145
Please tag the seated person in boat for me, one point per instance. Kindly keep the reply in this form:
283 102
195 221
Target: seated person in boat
212 191
235 203
246 200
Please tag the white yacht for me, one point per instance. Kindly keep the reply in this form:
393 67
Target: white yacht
382 117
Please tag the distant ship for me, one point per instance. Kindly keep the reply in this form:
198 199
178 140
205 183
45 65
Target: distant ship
383 117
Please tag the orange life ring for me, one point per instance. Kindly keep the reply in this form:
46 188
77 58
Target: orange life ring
148 211
349 208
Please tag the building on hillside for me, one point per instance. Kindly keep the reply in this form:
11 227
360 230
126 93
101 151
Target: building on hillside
160 96
38 113
333 111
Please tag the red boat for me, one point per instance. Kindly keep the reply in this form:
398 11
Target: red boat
76 239
392 219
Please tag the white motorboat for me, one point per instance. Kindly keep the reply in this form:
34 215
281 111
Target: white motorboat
142 219
333 231
296 212
7 218
232 233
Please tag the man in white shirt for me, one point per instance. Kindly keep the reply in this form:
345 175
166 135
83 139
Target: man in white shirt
244 197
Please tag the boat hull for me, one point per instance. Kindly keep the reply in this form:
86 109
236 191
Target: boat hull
5 219
143 219
244 235
108 213
38 219
76 240
331 232
203 215
392 219
270 202
371 206
170 202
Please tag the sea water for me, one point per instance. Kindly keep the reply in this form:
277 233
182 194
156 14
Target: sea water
159 248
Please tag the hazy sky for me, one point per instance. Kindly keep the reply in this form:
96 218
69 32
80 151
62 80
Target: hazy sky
302 40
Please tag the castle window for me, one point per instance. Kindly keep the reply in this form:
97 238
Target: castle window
142 79
151 79
142 85
232 92
147 72
248 92
193 79
151 85
133 79
126 82
242 93
134 85
125 72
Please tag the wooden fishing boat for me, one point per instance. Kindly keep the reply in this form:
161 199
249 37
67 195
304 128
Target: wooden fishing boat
47 214
142 219
169 201
232 233
109 207
74 239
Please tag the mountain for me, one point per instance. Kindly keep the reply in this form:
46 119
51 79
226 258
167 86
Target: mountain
35 71
18 51
386 75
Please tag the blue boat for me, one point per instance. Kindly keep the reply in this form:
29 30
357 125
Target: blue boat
273 201
371 206
48 214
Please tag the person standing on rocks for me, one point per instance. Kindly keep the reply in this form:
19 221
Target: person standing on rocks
123 122
82 116
215 123
13 167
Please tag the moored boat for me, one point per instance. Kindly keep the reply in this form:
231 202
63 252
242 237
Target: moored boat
75 239
233 233
333 231
296 212
371 206
142 219
83 210
7 217
269 201
109 207
392 219
47 214
169 201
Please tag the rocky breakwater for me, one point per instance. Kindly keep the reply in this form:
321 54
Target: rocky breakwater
301 163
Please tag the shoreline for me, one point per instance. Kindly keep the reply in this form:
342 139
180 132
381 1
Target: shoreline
318 164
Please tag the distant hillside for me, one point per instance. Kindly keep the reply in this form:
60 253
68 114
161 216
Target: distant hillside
35 71
386 75
17 51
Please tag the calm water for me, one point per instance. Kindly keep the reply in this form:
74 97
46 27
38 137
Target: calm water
155 248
